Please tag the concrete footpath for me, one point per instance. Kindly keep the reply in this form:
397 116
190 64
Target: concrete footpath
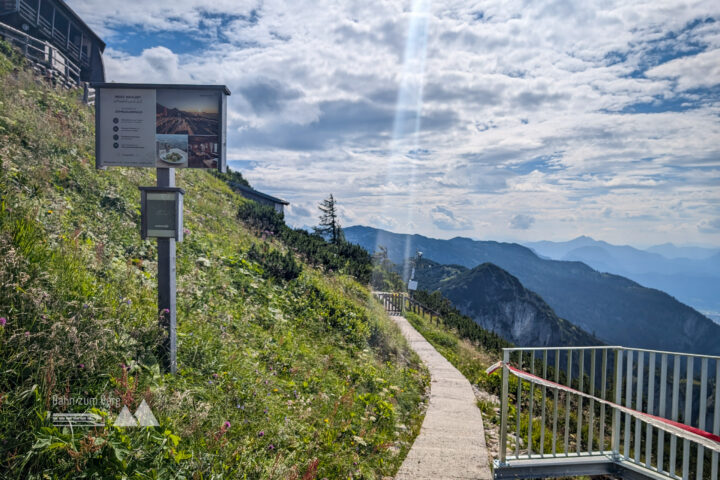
451 443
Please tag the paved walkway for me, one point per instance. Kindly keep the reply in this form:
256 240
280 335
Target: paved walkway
451 443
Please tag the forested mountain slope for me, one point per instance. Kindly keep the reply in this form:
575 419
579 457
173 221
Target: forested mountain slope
498 302
618 310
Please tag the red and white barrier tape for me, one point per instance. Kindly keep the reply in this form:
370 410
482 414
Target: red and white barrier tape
701 437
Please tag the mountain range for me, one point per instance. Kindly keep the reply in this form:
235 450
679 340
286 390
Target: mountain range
690 274
498 302
616 309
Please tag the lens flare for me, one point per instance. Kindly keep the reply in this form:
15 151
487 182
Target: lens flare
401 169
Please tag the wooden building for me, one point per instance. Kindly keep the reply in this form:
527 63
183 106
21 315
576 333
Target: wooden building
52 35
262 198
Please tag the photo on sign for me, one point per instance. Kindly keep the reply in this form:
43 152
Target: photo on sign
172 151
187 112
204 151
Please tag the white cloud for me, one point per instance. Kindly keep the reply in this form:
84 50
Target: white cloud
709 226
524 107
157 64
445 219
521 222
697 71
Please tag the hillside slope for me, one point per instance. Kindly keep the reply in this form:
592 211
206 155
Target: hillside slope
299 378
498 302
618 310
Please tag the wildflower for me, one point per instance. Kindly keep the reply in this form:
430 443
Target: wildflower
226 425
86 306
327 421
271 447
261 434
27 334
3 321
49 211
215 375
82 365
166 310
186 231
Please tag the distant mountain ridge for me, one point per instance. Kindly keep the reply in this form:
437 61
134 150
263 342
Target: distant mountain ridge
669 250
619 311
694 281
498 302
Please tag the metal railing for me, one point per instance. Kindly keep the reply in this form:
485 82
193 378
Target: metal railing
45 57
557 433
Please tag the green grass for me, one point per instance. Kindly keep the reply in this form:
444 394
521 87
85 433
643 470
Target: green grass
312 378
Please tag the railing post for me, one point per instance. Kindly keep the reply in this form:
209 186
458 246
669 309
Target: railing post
504 407
617 385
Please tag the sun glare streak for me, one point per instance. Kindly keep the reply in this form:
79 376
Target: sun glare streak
408 112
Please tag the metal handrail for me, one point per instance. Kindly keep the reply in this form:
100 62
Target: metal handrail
646 350
645 380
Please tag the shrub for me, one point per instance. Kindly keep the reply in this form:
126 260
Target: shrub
274 263
341 257
261 218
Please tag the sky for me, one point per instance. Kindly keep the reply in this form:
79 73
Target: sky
496 120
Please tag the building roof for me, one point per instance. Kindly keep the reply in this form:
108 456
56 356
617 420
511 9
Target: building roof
76 17
252 191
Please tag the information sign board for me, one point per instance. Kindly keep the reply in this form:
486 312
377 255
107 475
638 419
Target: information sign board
160 126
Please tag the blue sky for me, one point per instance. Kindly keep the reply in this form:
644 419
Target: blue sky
511 120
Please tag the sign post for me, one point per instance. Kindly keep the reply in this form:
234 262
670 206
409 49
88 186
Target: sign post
162 219
162 127
167 287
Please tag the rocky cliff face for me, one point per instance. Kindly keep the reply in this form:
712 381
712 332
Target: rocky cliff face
497 301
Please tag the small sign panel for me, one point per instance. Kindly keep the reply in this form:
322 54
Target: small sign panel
162 212
161 218
161 126
412 285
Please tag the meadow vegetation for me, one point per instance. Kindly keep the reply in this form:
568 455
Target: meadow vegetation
287 367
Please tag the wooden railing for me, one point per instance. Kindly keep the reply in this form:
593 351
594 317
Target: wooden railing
45 58
88 94
398 303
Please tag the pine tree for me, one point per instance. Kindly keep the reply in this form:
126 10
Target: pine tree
329 224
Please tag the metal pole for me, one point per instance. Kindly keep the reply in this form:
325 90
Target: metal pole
617 385
504 407
167 306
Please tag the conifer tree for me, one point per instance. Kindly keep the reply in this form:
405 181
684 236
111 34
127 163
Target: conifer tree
329 224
